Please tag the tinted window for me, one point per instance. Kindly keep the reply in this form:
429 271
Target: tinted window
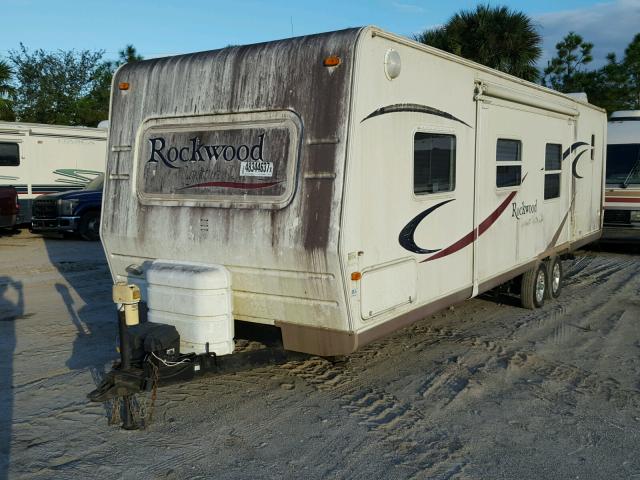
9 155
553 157
246 159
552 162
622 163
434 163
508 151
508 176
551 185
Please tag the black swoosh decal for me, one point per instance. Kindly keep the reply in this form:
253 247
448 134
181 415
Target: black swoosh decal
572 149
406 234
412 107
574 165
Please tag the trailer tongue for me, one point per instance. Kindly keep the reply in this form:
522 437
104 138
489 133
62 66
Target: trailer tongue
153 353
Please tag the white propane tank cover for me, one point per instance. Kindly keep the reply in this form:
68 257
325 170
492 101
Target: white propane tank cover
392 64
196 299
192 275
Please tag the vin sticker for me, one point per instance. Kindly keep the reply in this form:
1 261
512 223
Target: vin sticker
256 169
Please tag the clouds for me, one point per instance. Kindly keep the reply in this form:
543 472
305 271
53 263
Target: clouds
610 26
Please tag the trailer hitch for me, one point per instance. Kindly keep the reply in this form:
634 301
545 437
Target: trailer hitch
119 383
128 378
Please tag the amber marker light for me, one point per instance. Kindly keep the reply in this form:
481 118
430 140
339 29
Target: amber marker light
331 61
355 276
123 85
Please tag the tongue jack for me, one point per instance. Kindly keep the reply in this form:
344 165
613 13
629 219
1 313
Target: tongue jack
128 298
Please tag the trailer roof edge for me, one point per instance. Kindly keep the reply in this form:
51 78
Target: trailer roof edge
378 32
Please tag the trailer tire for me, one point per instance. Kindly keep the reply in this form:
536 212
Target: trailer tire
533 289
555 278
89 228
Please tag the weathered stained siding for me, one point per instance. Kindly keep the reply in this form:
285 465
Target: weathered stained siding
302 237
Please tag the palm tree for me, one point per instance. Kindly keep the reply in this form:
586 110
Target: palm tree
6 91
497 37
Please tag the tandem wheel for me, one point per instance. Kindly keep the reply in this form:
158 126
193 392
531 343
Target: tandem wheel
533 289
555 277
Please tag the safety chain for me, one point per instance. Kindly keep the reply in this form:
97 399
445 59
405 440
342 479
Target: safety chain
142 411
154 394
114 418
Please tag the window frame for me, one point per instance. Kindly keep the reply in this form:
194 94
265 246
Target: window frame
434 131
222 121
510 163
552 172
17 144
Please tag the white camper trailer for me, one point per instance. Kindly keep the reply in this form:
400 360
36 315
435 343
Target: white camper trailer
38 159
622 193
340 186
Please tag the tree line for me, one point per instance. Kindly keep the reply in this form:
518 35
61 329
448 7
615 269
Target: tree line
72 87
509 41
59 87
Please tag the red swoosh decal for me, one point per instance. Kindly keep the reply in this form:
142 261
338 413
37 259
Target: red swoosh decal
622 199
470 237
241 185
483 227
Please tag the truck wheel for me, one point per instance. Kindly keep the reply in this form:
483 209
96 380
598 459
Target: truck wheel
534 287
555 278
90 226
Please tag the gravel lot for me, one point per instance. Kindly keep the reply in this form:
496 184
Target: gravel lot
485 390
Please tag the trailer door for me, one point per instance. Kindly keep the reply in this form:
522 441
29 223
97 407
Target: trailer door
523 186
416 206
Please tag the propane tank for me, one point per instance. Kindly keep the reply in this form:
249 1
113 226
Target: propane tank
129 297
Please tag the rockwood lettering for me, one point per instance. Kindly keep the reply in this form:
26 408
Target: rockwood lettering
195 151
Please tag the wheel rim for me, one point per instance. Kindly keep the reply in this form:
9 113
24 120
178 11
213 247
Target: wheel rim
540 284
555 278
94 226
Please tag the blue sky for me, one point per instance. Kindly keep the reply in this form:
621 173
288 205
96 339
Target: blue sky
164 27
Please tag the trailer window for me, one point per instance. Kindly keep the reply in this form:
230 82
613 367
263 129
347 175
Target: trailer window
623 164
509 158
434 163
552 167
9 154
240 160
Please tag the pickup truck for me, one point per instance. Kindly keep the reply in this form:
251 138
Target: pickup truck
70 212
9 207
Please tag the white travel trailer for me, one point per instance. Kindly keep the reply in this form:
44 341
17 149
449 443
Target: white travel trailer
340 186
38 159
622 193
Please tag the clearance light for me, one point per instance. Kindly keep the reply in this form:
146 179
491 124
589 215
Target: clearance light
331 61
123 85
355 276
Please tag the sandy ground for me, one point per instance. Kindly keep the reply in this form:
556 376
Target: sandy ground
486 390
